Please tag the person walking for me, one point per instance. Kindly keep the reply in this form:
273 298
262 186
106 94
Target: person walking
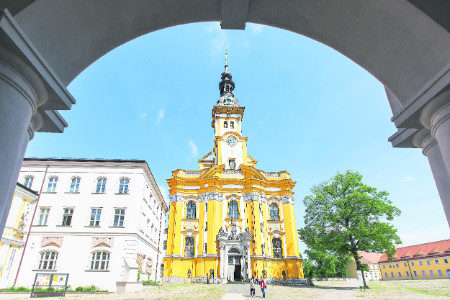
252 287
262 284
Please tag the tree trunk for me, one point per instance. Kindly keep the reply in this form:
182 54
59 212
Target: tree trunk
359 267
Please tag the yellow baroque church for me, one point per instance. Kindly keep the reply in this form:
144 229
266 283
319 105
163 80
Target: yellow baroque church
229 219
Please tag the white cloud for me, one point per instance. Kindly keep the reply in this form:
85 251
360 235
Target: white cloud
255 28
424 235
143 115
160 115
219 39
408 179
194 149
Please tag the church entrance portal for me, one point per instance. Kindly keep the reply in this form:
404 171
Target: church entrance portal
234 265
234 246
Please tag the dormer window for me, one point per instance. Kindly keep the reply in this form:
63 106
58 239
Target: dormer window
231 124
225 124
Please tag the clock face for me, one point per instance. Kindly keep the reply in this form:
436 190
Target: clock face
231 141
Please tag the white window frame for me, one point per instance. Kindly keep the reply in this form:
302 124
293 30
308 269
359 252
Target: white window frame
43 216
95 222
100 260
75 184
124 185
67 214
52 182
119 214
28 182
101 185
46 262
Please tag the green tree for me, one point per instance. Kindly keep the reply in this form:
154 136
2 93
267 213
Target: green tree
345 216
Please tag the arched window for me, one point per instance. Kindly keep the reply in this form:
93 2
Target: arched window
189 247
191 210
75 184
231 124
277 250
225 124
233 210
100 260
52 181
123 187
274 212
28 181
48 260
101 185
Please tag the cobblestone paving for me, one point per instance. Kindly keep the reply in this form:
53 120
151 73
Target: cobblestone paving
417 289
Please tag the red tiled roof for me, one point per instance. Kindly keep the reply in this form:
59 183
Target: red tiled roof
370 257
432 249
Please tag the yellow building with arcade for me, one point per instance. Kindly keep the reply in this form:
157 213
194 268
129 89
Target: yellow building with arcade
229 218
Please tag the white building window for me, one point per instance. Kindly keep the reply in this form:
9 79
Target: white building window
75 184
48 260
95 216
43 216
67 217
100 260
52 181
231 124
119 216
123 187
101 185
28 181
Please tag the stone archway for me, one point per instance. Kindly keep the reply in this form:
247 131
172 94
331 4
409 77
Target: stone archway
45 44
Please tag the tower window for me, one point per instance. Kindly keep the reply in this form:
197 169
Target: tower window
233 210
231 124
225 124
190 211
232 164
274 212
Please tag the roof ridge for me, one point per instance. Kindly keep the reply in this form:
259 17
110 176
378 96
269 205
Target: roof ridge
424 244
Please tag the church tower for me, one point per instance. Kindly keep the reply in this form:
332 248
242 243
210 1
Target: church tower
228 218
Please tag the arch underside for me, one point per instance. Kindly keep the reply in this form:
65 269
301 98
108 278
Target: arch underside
393 40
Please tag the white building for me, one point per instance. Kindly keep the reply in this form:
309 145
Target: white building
101 221
15 233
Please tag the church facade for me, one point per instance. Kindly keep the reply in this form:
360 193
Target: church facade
229 218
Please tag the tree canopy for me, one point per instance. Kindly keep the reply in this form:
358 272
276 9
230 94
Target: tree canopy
344 216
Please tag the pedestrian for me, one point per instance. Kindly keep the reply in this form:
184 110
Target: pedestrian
252 287
263 287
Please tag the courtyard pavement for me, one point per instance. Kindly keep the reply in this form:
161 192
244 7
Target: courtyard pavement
417 289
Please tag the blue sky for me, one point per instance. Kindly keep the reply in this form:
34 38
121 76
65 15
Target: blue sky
309 110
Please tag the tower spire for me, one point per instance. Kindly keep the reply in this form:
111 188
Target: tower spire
226 87
226 61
